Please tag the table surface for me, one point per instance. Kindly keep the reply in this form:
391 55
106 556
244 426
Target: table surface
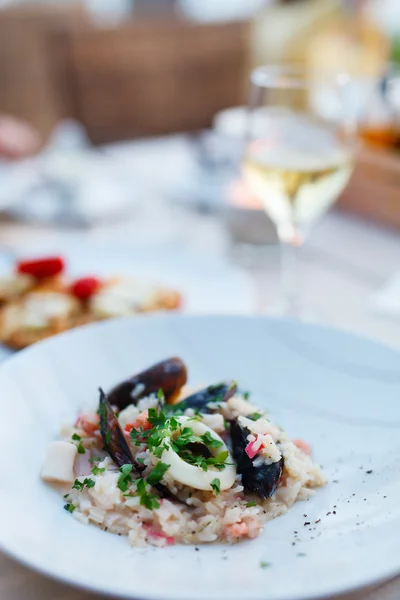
346 260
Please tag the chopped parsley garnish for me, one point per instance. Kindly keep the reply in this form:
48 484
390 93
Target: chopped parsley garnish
264 565
210 441
173 424
216 486
69 507
198 461
251 503
125 479
148 500
158 451
76 437
218 461
157 473
246 395
156 417
254 416
160 395
79 485
140 460
80 448
185 438
66 495
163 427
108 437
94 459
96 470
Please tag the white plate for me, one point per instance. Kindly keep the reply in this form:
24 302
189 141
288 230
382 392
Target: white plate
338 391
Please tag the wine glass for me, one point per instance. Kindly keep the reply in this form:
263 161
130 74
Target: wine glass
298 156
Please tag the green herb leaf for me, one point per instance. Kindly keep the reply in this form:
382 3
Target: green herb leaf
210 441
69 507
157 473
125 479
216 486
251 503
80 448
148 500
246 395
173 424
89 482
265 565
96 470
94 459
254 416
79 485
76 437
160 395
140 460
108 437
156 417
218 461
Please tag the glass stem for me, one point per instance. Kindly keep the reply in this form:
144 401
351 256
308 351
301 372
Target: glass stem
291 278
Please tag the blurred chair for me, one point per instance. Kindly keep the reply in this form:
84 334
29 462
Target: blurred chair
156 77
32 61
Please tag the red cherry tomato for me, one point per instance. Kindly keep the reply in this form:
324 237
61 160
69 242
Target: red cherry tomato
42 267
85 287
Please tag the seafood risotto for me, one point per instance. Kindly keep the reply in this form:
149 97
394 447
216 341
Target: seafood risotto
162 466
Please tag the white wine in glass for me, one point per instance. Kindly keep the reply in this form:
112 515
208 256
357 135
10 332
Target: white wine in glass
295 162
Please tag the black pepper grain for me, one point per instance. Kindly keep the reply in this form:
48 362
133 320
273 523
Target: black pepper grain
307 523
369 472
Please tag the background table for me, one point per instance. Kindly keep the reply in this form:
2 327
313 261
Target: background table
345 262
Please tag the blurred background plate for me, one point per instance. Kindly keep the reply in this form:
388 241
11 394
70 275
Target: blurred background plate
207 284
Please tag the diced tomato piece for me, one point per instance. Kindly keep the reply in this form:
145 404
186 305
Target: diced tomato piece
84 288
142 422
250 449
42 267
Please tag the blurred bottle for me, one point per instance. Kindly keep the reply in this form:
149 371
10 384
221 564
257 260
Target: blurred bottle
356 43
350 42
282 29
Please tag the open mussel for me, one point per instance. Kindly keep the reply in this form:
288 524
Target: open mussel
116 444
112 434
169 375
262 479
207 399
